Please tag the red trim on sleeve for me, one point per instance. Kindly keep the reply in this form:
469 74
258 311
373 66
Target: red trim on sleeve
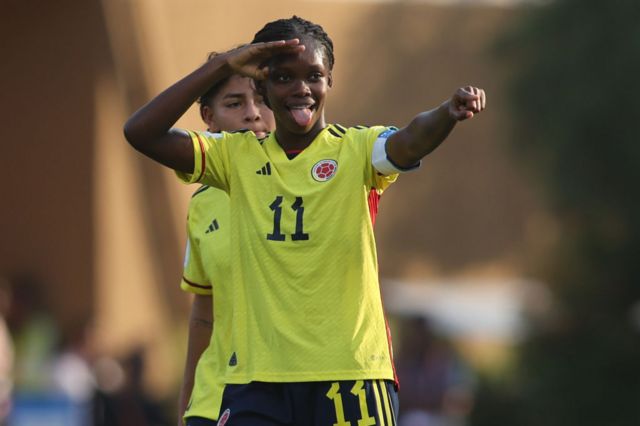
374 200
192 284
203 158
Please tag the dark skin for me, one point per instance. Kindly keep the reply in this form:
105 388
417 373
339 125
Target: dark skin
149 130
295 76
301 80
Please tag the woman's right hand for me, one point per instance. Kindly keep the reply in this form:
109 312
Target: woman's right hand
250 60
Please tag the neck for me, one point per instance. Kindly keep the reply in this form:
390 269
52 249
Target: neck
298 141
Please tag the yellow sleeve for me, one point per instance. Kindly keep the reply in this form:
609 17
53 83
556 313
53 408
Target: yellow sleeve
211 159
194 277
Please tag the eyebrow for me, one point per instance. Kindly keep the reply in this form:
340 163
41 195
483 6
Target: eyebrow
233 95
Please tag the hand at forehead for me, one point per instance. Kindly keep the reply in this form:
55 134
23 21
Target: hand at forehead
251 60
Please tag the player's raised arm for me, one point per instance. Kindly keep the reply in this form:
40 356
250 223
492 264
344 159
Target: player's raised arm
149 130
429 129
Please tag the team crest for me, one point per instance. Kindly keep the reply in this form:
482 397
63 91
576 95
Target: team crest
324 170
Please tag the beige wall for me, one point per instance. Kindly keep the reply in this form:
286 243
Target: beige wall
102 228
49 52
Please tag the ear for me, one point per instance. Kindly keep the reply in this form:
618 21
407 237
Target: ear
206 113
330 79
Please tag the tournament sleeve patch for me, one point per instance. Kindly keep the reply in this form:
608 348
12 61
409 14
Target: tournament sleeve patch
381 161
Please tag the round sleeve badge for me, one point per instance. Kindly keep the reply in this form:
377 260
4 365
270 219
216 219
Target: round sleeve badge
324 170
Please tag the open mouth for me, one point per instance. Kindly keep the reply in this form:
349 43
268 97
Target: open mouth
302 114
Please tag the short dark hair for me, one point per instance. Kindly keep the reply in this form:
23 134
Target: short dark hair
205 99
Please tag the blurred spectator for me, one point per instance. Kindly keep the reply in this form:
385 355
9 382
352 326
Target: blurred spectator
34 336
53 381
436 386
71 375
6 354
121 399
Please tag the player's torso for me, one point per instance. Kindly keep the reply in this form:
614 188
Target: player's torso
304 263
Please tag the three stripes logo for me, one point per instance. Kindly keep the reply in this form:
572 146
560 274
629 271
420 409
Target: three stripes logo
213 226
265 170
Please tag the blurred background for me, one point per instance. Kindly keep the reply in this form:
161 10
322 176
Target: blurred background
510 262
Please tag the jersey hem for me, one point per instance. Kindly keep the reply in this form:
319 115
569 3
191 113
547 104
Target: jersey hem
310 377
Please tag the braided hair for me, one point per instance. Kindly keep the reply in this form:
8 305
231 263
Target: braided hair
296 27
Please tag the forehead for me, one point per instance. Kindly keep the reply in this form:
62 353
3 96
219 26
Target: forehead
236 85
313 55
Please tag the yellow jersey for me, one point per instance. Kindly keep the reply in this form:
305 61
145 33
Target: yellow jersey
305 291
207 271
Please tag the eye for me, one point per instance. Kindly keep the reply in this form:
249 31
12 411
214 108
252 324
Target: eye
233 105
316 76
281 78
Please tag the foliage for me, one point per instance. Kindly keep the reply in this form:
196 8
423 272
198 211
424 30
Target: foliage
576 131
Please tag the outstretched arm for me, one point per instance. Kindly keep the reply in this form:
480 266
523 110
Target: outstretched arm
429 129
149 130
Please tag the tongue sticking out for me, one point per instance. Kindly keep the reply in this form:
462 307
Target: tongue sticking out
302 116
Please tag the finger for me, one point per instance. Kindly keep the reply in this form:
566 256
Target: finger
475 104
467 90
259 51
466 94
468 98
290 42
261 73
483 99
459 112
293 43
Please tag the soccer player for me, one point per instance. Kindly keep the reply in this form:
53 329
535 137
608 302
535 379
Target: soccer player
232 104
309 343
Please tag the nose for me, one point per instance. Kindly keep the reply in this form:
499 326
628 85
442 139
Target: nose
251 113
301 88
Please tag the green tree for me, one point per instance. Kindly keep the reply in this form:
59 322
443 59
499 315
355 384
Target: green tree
577 131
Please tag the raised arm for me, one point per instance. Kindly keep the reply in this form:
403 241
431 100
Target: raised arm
429 129
149 130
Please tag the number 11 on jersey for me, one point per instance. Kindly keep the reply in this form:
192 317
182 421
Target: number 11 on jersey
276 208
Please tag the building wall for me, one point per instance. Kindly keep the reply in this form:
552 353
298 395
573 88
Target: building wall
46 221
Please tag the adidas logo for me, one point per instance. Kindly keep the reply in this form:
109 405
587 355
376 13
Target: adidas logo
233 361
213 226
265 170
